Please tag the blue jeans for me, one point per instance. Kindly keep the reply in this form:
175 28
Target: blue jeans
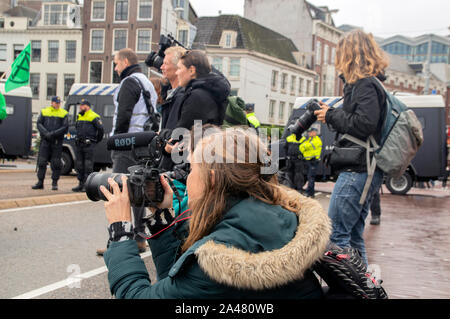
347 215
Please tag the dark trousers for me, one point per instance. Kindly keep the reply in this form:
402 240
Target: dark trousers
84 163
49 152
296 173
121 161
312 170
375 207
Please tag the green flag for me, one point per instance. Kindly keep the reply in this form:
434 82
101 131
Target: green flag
2 107
20 70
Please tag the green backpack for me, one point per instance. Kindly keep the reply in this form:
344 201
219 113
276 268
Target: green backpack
235 112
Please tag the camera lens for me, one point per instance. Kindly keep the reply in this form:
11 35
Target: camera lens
95 180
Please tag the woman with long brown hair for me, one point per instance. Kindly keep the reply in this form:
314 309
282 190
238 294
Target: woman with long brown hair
362 64
247 236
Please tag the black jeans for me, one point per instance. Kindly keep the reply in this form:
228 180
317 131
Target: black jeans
121 161
296 173
49 152
375 207
84 163
312 170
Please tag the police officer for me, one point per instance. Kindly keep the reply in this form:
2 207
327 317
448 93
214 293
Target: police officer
52 124
251 117
89 130
295 169
311 150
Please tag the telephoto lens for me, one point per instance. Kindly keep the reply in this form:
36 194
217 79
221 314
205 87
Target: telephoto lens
306 120
95 180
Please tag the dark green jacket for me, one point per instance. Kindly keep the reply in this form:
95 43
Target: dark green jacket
256 251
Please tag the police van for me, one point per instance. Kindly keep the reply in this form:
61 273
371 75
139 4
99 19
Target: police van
101 98
16 128
430 161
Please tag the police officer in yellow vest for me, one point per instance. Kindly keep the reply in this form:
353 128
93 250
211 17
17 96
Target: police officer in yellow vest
52 124
89 130
311 150
295 165
251 117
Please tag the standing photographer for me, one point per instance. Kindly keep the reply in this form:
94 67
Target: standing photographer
360 60
130 116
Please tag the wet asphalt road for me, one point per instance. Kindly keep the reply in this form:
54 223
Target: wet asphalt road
42 246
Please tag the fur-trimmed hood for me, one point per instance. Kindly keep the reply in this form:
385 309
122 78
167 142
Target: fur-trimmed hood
247 264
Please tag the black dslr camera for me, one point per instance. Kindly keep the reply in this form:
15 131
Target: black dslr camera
306 120
156 59
144 185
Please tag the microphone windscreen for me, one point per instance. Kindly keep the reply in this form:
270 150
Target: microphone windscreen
125 142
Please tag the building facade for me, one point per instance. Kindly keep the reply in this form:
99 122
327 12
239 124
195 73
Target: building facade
111 25
55 38
260 64
186 20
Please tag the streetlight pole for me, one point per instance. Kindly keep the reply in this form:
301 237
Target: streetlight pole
427 67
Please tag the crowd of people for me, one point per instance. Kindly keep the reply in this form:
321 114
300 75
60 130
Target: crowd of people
242 233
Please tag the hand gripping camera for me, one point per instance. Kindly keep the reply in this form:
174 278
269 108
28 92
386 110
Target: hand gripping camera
306 120
144 185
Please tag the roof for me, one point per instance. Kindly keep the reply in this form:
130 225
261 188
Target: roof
250 35
93 89
21 11
319 13
23 91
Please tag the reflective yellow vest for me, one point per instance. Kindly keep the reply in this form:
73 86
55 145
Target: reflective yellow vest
253 120
311 148
52 112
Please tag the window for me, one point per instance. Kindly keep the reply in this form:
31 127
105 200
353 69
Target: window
97 37
291 108
108 110
95 72
35 51
283 81
53 51
69 80
2 23
121 10
145 9
115 77
281 111
218 64
333 56
2 52
51 85
98 10
293 82
325 53
234 92
55 14
308 87
71 51
318 52
228 41
17 49
183 37
35 79
271 109
274 79
235 67
120 39
300 86
144 40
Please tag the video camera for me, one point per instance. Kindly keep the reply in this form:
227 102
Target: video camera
156 59
144 185
306 120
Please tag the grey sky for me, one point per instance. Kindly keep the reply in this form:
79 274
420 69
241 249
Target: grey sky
383 18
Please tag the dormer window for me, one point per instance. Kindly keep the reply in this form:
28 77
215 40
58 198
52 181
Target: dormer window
228 39
55 14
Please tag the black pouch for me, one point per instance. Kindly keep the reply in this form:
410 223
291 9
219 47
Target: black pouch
346 156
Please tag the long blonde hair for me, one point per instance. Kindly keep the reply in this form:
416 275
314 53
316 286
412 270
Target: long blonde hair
235 175
358 56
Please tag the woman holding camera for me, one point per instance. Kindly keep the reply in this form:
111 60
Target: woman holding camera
247 236
360 61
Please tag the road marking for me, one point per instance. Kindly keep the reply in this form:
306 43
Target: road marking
43 206
66 282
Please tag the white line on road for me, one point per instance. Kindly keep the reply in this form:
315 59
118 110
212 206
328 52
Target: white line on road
43 206
67 282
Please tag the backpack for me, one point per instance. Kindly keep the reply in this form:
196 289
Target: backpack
235 112
152 123
401 138
346 276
